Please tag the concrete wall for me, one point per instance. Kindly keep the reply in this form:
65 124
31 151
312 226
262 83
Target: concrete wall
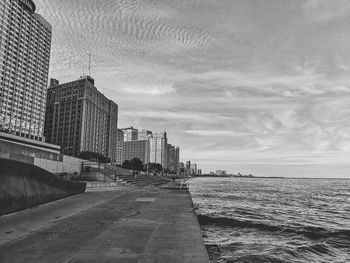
24 185
68 165
49 160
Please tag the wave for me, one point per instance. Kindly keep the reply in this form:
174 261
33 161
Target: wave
307 231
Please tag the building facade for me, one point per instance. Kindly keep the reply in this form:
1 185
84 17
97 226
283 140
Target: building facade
25 43
177 160
171 158
193 169
79 118
136 149
188 167
144 135
158 149
119 147
130 134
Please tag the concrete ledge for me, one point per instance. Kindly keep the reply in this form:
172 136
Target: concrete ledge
24 185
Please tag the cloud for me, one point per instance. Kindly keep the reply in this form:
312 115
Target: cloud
326 10
147 90
214 133
235 83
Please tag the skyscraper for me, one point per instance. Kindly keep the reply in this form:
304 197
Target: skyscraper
158 149
188 167
25 42
177 160
119 145
130 134
171 158
79 118
144 135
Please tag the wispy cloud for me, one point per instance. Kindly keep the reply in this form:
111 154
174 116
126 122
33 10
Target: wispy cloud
147 90
260 85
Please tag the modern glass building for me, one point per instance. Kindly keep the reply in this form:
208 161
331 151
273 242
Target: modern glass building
25 43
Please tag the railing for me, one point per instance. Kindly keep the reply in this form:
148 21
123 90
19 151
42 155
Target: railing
100 167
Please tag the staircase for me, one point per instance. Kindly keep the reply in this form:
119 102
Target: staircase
99 172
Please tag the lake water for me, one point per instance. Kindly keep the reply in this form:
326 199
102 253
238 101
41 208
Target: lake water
274 220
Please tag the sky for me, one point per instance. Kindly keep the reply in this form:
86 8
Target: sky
249 86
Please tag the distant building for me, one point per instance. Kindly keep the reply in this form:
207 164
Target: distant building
218 172
130 134
182 169
80 118
119 147
199 171
136 149
172 166
194 169
177 160
25 43
144 135
188 167
158 149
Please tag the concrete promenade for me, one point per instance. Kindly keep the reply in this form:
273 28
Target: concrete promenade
121 224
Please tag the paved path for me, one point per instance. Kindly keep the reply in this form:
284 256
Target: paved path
122 224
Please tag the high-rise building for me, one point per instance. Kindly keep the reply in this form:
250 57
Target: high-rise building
119 147
144 135
79 118
194 168
136 149
182 169
158 149
188 167
177 160
25 42
130 134
171 158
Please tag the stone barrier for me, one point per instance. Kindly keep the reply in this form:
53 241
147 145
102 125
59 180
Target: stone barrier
24 185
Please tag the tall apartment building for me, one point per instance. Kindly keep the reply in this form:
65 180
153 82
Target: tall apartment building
130 134
194 168
136 149
119 147
80 118
177 160
144 135
158 149
171 158
25 42
188 167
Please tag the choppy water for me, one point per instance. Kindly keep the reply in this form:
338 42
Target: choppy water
274 220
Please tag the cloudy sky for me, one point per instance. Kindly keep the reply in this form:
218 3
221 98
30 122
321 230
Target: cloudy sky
250 86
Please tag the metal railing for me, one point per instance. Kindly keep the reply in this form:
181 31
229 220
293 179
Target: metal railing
100 167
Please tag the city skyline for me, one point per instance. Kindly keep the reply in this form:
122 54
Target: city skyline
255 87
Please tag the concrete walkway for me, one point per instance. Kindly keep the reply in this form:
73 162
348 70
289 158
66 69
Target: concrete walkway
119 224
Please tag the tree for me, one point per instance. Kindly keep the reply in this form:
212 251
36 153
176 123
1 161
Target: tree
134 164
126 164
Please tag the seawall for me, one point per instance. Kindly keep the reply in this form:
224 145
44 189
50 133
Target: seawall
24 185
